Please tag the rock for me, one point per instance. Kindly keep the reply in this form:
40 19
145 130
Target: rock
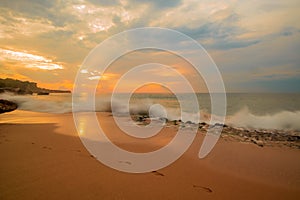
163 119
260 143
43 93
218 124
7 106
140 118
245 138
257 142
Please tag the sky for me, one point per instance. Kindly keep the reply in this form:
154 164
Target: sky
254 43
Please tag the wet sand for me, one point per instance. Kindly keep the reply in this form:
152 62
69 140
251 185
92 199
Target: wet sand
42 157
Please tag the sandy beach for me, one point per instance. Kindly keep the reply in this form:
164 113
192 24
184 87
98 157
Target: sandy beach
42 157
149 100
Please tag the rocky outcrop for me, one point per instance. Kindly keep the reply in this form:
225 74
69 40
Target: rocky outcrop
259 137
24 87
262 137
17 86
7 106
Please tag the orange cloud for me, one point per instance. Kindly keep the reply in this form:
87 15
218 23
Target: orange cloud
16 76
28 60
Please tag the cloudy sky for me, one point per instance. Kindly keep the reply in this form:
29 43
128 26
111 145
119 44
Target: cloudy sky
254 43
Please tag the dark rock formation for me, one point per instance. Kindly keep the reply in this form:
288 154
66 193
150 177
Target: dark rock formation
24 87
7 106
43 93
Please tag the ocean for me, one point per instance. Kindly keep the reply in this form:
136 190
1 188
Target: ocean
246 110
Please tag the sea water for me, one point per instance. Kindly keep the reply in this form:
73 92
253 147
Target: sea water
248 110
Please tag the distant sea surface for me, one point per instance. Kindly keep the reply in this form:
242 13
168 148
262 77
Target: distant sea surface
247 110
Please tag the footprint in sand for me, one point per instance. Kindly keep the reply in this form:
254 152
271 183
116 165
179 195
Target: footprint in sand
45 147
92 156
206 189
126 162
157 173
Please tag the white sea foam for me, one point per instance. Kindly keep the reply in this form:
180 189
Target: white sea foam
280 120
38 104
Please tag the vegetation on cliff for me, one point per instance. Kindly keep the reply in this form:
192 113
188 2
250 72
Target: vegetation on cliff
24 87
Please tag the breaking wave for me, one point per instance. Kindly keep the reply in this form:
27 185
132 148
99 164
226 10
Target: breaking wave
39 103
282 120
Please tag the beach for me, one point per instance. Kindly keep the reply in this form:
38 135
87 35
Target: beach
42 157
149 100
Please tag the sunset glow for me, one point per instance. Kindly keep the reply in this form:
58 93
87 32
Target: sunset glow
255 44
157 99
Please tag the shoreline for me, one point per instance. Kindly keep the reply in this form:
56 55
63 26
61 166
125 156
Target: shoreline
43 157
260 137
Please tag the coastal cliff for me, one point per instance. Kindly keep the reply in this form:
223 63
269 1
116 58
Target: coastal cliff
25 87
